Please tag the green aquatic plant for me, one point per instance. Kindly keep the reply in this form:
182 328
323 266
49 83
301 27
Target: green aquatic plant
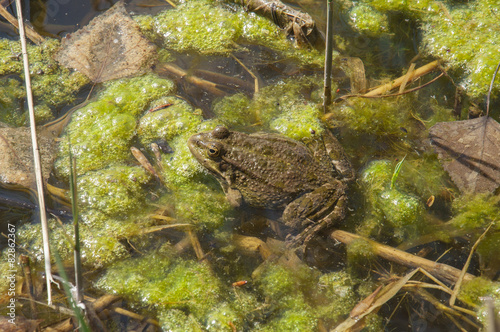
397 169
116 191
212 208
288 106
176 118
11 92
474 211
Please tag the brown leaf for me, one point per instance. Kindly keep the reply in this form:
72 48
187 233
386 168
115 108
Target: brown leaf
16 163
470 152
111 46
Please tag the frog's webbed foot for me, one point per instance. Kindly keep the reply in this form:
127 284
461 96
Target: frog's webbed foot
300 242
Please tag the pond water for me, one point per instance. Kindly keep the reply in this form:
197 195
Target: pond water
173 246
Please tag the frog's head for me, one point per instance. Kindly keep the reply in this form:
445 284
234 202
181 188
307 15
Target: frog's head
209 148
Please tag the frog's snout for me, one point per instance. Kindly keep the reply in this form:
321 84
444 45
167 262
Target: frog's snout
193 141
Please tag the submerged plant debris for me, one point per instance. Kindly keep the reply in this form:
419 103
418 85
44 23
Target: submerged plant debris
464 35
111 46
16 164
470 152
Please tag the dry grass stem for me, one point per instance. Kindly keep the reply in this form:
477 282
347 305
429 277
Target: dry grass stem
36 155
397 82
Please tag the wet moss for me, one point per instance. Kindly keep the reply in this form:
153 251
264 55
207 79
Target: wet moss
220 317
11 92
97 140
472 291
464 35
399 208
296 319
392 207
475 211
180 166
338 288
133 95
376 176
99 239
176 320
236 110
466 38
211 209
424 175
299 122
360 252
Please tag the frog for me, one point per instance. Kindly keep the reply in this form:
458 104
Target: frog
308 180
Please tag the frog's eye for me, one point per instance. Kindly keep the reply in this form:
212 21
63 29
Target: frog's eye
214 150
220 132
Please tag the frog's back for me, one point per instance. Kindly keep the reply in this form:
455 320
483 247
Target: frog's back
271 170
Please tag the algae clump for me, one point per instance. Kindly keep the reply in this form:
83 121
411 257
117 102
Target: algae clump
116 191
52 84
366 19
390 206
161 280
287 107
212 28
101 132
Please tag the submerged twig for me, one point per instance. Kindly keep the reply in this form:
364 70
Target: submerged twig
466 266
443 271
405 78
177 72
382 296
255 78
450 312
32 34
36 155
196 244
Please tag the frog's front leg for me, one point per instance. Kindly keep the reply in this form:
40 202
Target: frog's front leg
338 157
315 210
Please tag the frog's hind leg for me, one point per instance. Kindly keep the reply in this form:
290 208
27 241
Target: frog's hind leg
301 241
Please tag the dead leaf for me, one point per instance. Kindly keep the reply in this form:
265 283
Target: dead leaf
470 152
16 164
111 46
